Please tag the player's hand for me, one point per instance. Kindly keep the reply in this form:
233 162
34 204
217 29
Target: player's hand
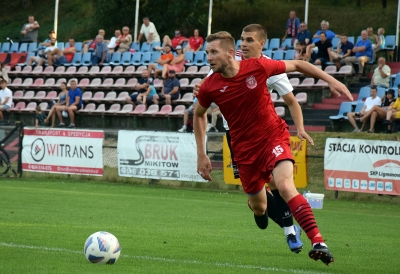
196 89
204 167
303 135
339 88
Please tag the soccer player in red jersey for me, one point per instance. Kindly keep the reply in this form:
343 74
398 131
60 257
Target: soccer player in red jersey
239 90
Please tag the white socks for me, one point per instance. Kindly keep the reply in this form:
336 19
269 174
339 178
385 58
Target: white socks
289 230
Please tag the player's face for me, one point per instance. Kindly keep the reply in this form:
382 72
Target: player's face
217 57
251 45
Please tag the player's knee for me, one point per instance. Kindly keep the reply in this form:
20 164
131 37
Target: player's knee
259 208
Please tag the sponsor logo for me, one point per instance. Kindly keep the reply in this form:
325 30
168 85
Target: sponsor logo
223 89
38 150
251 82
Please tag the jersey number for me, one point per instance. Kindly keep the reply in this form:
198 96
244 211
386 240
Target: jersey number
278 150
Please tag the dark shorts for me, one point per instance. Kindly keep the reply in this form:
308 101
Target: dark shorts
61 61
254 176
174 96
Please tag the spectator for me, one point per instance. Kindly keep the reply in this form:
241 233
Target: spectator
381 41
344 49
41 58
40 117
363 51
141 87
61 102
149 30
379 112
170 90
324 49
381 76
5 99
186 114
74 103
147 96
114 44
61 57
196 42
47 43
3 72
125 40
215 113
301 51
369 103
165 58
324 28
100 53
373 38
30 30
177 40
292 27
176 64
393 112
304 35
90 45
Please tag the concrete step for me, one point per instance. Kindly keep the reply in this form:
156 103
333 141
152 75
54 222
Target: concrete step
326 106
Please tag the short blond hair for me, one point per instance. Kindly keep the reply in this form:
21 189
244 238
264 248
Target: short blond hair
225 38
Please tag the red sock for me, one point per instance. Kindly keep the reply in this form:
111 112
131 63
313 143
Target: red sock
303 214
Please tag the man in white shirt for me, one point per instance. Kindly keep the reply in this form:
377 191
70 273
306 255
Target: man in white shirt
381 77
5 99
42 58
369 103
149 30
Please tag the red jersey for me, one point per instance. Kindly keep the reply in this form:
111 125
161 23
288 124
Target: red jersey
69 56
195 42
177 41
246 104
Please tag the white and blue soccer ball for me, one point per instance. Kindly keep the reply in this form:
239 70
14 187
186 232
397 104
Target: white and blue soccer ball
102 248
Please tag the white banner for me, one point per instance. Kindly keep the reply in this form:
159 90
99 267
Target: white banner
158 155
370 166
67 151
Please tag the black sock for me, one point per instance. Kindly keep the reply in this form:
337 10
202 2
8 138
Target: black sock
262 221
272 210
283 209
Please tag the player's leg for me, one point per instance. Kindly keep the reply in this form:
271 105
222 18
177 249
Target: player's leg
283 175
258 204
285 217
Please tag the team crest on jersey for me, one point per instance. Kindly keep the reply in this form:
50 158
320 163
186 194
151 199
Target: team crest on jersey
251 82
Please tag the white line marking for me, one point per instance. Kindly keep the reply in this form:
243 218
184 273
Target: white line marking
229 265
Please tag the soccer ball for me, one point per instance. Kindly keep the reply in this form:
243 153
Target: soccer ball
102 248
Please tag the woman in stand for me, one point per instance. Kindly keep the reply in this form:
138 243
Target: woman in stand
62 100
3 72
176 64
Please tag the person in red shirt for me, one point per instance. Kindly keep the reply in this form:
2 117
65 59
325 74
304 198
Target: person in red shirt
60 57
240 92
177 40
196 42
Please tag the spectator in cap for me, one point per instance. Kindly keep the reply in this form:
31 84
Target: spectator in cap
170 90
176 64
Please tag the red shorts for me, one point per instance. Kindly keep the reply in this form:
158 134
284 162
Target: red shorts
254 176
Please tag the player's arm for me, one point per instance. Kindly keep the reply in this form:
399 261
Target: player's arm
199 125
335 86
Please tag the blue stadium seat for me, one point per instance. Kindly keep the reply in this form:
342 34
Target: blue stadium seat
267 53
351 39
5 47
381 91
238 42
126 58
278 55
30 54
153 45
155 55
199 57
116 59
390 42
335 42
78 46
76 61
136 58
287 43
345 108
290 54
14 47
32 47
145 47
86 59
274 44
266 45
146 58
204 46
136 46
60 45
23 48
189 58
364 93
358 39
359 106
396 82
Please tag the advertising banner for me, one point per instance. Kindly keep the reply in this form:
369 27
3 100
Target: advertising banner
369 166
158 155
68 151
299 152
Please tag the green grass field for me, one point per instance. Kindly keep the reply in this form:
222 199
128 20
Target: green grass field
44 224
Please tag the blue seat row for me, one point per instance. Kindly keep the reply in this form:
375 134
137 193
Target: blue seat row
28 47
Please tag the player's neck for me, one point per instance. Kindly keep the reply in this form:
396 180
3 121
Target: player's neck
232 70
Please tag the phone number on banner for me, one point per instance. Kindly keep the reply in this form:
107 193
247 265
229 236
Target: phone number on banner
150 172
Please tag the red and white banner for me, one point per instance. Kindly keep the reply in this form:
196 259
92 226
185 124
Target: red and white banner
369 166
68 151
157 155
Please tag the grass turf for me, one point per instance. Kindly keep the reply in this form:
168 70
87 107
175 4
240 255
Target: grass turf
44 224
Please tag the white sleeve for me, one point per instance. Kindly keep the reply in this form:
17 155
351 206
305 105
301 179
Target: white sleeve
280 83
152 28
142 29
